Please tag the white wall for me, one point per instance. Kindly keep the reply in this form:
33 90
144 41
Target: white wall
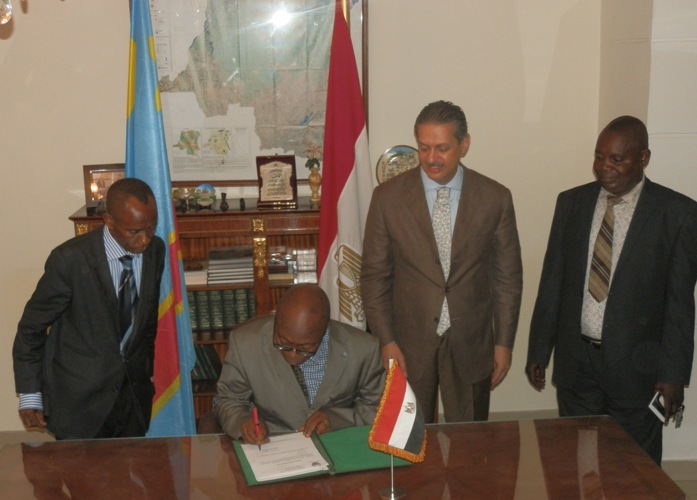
672 120
527 74
63 74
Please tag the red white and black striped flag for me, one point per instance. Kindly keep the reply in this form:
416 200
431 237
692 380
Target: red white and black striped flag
398 428
347 182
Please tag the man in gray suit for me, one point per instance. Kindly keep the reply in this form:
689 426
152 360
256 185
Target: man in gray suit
301 370
445 308
615 349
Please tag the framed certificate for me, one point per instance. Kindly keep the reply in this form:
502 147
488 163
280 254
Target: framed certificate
278 184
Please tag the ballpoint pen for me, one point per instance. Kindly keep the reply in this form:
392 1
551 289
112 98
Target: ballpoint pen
255 414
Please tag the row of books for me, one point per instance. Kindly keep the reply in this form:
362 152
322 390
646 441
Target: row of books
214 313
208 364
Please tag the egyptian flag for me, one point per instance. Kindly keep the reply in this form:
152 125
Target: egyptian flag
347 182
398 428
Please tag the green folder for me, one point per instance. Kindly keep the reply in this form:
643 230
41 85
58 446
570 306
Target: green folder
346 450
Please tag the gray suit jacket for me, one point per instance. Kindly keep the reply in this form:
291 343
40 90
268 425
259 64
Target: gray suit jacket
77 367
649 322
403 285
255 373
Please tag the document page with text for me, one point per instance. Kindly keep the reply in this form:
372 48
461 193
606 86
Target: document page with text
286 455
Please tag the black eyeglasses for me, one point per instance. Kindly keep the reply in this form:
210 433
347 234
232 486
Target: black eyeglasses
300 352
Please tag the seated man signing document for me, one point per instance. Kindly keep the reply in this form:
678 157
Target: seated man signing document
301 370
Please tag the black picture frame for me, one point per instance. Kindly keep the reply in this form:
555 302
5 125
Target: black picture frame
98 179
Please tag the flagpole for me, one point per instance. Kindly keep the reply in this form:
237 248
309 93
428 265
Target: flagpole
391 477
392 492
391 455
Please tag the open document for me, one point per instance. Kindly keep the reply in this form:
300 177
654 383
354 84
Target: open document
287 455
292 455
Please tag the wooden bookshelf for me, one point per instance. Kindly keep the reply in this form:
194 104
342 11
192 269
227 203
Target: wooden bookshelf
262 229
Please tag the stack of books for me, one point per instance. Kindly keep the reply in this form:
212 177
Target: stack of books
230 265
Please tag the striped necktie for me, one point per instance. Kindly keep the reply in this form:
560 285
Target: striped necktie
441 230
128 296
601 263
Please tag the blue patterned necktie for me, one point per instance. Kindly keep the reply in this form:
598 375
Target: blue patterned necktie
441 229
128 296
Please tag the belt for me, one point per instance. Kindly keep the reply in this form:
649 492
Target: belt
589 340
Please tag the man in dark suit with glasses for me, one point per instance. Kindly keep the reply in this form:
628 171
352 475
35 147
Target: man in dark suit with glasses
300 370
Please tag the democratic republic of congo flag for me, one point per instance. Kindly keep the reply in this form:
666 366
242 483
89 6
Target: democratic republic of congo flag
146 159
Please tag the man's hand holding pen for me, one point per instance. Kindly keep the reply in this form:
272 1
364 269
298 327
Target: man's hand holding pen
254 432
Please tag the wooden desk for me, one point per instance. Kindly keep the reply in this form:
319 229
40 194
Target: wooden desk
554 459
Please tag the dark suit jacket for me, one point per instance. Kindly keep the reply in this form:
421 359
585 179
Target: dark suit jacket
255 372
403 285
648 331
77 367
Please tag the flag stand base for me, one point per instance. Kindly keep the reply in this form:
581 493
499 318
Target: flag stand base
392 493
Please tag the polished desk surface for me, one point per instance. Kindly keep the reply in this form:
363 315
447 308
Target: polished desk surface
590 458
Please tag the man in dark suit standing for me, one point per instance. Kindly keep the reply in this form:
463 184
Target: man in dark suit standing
442 275
619 312
83 356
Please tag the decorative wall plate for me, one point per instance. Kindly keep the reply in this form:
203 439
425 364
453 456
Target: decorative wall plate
394 161
205 195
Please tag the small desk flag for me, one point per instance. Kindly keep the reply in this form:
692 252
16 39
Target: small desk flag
398 428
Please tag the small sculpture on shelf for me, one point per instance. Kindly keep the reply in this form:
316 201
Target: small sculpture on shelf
223 203
314 179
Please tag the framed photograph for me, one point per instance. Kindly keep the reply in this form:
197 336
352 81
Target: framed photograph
278 184
98 179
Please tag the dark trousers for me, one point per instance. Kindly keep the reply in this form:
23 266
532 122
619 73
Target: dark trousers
126 417
587 398
462 402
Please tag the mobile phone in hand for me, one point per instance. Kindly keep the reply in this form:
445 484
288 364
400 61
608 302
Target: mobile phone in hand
656 406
